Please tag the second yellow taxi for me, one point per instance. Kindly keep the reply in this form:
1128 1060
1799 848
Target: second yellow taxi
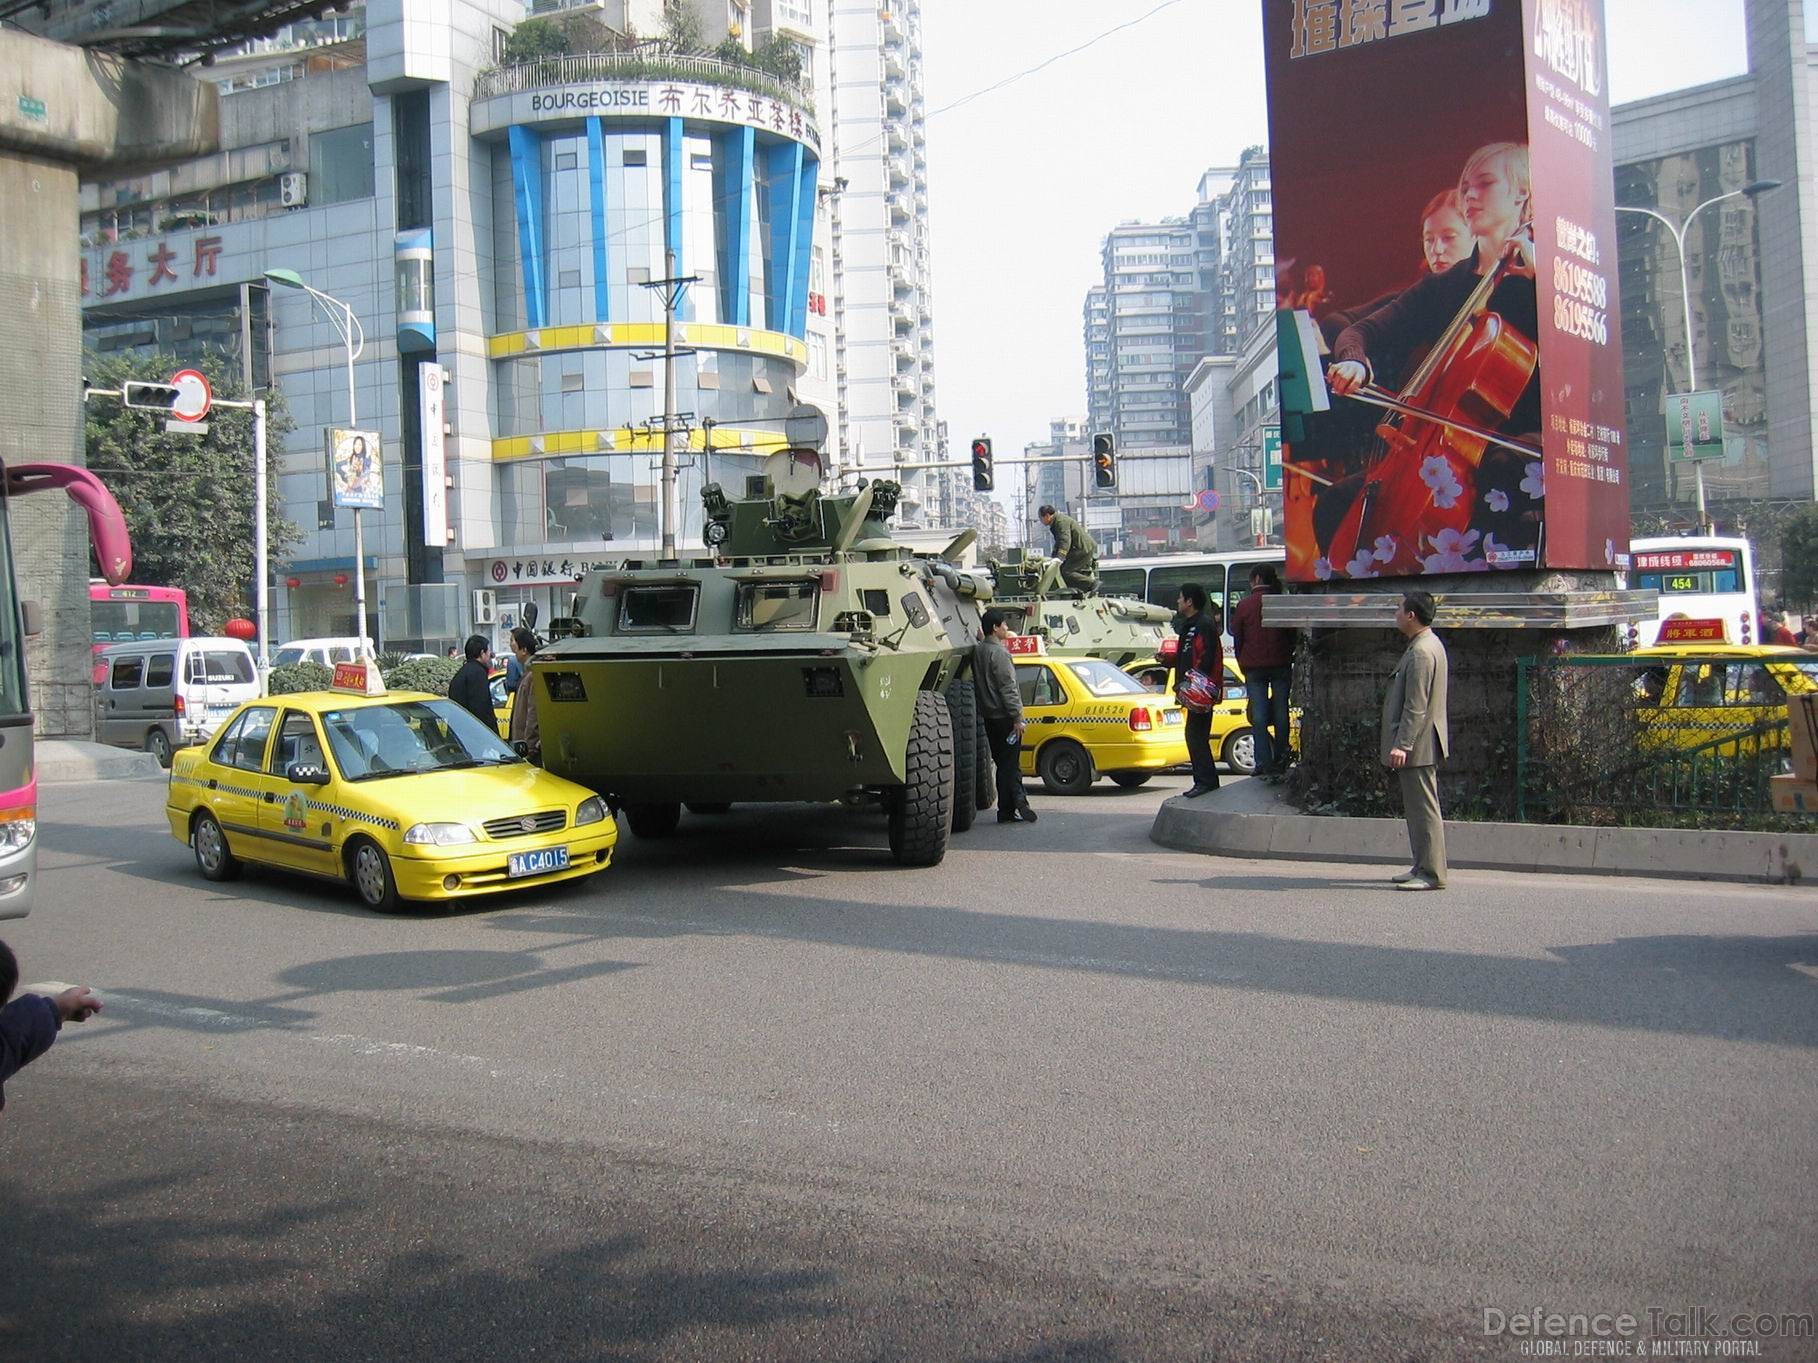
405 796
1084 718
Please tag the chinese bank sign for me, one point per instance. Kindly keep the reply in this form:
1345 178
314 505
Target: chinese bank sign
1444 214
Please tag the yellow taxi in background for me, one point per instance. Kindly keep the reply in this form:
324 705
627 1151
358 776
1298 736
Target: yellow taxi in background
502 701
1084 718
1695 694
1233 743
405 796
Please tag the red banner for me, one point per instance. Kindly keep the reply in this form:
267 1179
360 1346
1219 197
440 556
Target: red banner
1444 213
1683 560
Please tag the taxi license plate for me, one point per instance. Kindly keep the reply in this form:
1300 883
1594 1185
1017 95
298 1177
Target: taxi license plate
536 863
1174 717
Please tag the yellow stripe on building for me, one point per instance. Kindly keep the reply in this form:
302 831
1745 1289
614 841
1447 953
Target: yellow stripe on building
643 335
569 444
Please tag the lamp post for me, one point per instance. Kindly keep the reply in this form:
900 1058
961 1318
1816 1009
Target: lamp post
1750 190
353 335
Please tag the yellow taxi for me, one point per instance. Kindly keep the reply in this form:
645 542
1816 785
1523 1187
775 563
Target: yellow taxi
1694 694
406 796
502 701
1084 718
1233 743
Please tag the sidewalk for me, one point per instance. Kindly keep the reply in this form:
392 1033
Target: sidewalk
60 760
1250 819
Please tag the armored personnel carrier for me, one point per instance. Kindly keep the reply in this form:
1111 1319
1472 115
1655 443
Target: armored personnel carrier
1074 624
811 658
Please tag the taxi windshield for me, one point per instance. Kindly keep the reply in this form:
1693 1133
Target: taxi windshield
1102 679
409 737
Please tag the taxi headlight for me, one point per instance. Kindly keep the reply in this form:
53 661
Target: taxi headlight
16 834
439 834
591 810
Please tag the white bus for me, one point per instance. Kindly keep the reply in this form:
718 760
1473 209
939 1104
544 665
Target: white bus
1225 576
1706 585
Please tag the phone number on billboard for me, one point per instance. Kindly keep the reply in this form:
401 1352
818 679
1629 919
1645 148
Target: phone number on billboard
1572 317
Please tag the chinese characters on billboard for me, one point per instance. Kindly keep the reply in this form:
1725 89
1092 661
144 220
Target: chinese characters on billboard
1444 214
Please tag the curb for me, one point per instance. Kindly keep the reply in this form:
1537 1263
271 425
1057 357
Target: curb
1567 849
63 761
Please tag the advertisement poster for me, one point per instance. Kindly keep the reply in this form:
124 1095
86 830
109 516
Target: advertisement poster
354 474
1444 214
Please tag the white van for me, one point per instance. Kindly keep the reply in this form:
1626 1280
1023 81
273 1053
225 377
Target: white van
164 694
328 652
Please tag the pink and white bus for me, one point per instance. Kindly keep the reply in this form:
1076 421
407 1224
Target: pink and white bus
127 614
18 769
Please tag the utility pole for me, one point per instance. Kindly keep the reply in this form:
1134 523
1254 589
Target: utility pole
673 288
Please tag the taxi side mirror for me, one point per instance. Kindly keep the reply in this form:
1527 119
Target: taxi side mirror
306 774
520 747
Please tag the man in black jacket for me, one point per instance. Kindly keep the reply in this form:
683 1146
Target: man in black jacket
471 687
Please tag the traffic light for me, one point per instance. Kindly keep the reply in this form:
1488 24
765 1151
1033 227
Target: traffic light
1104 460
157 397
982 480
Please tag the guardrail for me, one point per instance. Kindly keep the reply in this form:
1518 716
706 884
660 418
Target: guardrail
577 68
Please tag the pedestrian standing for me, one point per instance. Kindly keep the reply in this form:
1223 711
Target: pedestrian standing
1415 739
1266 655
1076 550
30 1023
1000 702
471 687
524 726
1202 651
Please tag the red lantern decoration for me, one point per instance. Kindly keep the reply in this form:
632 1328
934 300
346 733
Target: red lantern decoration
240 628
293 582
340 579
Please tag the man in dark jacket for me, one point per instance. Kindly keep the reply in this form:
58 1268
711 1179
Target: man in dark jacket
1267 657
471 687
1076 550
1201 650
1000 703
29 1024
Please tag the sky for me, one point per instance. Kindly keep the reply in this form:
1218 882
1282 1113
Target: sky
1024 181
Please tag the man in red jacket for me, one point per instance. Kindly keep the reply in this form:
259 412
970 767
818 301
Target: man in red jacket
1267 657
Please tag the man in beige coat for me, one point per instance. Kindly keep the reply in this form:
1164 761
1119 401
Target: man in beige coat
1415 739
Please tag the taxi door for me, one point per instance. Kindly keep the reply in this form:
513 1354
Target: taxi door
295 833
234 781
1044 709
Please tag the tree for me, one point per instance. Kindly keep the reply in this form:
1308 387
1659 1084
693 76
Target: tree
781 58
534 39
188 499
681 27
1799 559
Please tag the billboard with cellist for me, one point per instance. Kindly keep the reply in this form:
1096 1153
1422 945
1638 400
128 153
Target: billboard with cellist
1444 216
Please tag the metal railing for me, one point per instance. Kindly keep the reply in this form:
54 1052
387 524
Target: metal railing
577 68
1652 741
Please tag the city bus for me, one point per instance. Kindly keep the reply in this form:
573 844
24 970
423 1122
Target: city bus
18 771
128 614
1706 585
1225 576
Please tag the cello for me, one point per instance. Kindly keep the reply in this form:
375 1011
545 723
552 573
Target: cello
1422 478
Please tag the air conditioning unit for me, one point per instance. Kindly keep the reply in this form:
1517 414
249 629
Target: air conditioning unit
485 606
293 189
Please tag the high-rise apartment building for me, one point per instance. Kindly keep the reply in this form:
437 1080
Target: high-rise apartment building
1246 263
1156 321
1098 359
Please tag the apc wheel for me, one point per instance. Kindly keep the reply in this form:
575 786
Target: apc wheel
1240 752
708 807
157 743
1065 768
921 809
985 780
653 821
370 871
1130 780
213 858
962 711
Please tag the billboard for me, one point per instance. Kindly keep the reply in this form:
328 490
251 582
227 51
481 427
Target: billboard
355 475
1444 223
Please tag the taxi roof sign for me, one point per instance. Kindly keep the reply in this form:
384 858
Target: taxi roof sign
1679 629
1025 646
359 679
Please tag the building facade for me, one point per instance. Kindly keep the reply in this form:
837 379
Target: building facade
501 234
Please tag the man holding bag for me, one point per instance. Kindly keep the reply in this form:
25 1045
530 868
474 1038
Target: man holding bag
1199 678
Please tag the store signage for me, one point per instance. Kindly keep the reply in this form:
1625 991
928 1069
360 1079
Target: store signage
143 268
435 456
665 99
542 572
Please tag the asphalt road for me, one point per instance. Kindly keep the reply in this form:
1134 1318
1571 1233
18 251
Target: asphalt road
755 1094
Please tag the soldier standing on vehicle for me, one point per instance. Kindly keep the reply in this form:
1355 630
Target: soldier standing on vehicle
1000 702
1076 550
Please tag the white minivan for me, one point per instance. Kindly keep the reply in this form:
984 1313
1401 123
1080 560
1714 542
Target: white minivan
328 652
164 694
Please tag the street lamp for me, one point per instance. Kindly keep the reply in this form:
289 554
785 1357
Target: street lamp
1750 190
353 335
